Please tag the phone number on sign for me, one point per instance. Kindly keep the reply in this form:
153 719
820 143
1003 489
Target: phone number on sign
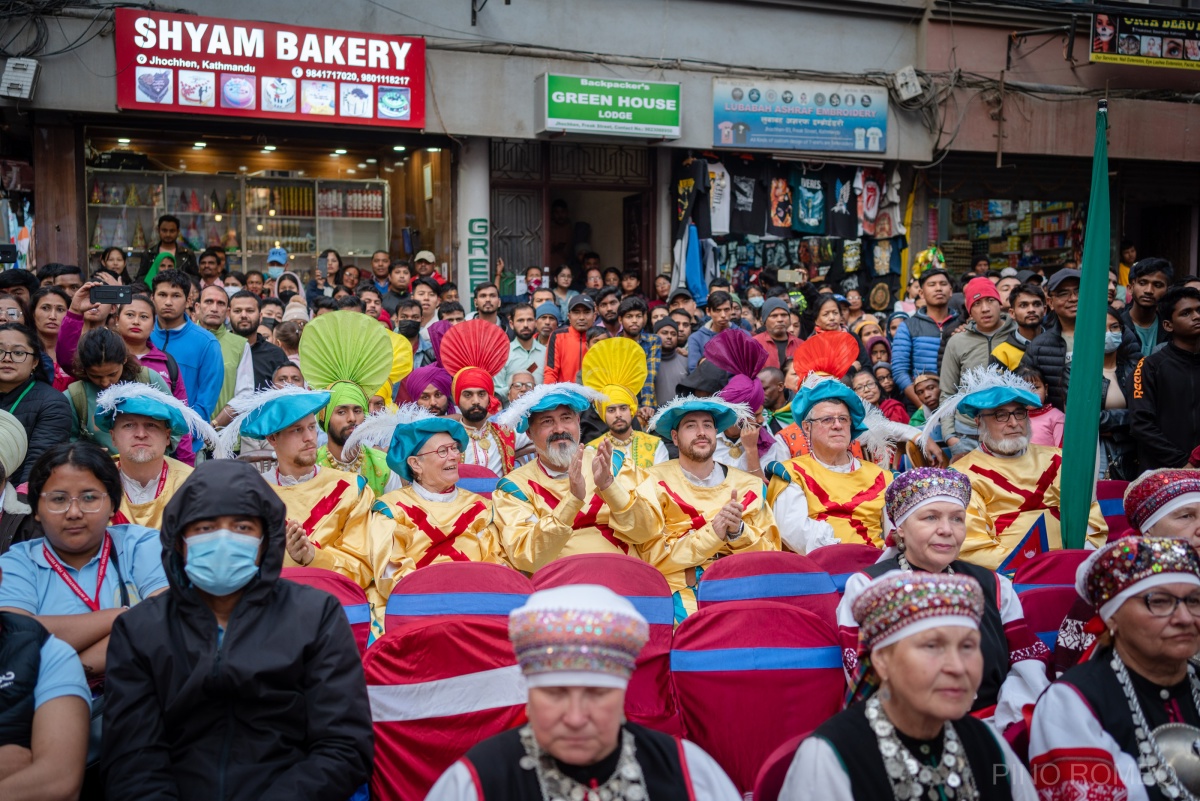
338 75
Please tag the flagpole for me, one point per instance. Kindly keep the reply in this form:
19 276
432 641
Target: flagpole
1080 437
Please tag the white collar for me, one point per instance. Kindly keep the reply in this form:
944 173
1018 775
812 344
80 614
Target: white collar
713 479
434 497
287 481
841 468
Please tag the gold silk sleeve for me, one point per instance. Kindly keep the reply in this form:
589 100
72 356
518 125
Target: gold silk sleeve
530 533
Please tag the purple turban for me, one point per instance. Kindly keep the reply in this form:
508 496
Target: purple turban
741 389
436 332
422 377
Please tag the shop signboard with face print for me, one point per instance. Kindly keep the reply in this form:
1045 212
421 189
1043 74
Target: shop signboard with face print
183 64
626 107
784 115
1146 41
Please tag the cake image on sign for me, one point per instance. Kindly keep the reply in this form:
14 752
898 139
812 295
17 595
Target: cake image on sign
278 94
394 103
317 97
197 88
236 91
153 85
356 100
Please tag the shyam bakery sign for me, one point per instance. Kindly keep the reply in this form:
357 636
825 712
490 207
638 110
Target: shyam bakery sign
185 64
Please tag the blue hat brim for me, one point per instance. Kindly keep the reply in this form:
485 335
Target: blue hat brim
994 397
723 416
409 438
279 413
831 390
572 400
147 407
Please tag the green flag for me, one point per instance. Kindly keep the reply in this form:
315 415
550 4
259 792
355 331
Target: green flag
1087 361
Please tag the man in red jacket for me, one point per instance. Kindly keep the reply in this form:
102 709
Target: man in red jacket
564 355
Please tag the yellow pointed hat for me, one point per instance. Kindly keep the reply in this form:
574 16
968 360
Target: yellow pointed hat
617 368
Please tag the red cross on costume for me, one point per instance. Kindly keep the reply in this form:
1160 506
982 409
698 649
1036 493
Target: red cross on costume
698 520
442 542
1031 500
844 511
585 518
324 507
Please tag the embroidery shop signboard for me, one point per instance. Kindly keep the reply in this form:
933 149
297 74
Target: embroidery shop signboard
1146 41
607 105
236 68
799 115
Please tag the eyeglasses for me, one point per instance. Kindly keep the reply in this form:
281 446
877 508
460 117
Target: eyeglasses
443 452
59 502
840 419
1066 293
1164 604
1003 417
15 356
523 384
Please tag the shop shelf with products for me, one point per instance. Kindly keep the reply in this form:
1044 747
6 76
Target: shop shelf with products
352 218
122 209
280 213
209 209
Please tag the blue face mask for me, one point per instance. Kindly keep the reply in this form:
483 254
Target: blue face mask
1112 341
757 301
221 562
274 272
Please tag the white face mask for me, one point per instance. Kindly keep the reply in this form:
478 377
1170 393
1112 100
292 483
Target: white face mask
1112 341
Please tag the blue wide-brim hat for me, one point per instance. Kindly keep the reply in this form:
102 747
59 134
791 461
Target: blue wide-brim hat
409 438
994 397
830 390
545 397
147 407
724 414
279 413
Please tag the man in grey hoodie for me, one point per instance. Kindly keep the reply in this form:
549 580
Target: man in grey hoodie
970 347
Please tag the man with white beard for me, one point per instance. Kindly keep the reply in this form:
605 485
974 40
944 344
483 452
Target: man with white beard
570 498
1014 510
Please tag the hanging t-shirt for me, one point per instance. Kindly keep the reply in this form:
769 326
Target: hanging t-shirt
739 133
882 256
719 192
779 214
808 202
842 215
869 186
889 219
691 198
748 212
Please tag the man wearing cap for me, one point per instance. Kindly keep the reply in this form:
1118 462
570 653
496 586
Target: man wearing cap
577 646
1051 351
616 368
435 521
681 298
1014 510
720 307
330 523
672 367
525 352
564 355
548 318
425 265
971 347
704 509
919 338
778 343
570 498
143 421
829 495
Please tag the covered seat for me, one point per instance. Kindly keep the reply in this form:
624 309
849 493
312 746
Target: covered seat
350 596
749 675
1049 569
456 589
649 701
477 479
844 560
1111 497
1045 610
773 772
771 576
437 688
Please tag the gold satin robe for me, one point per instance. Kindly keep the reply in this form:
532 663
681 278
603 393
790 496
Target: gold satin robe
852 503
150 514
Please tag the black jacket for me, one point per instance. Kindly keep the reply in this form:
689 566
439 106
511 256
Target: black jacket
277 711
46 414
1164 416
1048 353
185 260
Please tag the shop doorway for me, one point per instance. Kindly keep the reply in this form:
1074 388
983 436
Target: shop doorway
1167 231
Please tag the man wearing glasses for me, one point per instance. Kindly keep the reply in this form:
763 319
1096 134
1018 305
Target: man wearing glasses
1051 351
1014 510
828 495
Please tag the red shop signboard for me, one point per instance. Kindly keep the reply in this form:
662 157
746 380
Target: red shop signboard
236 68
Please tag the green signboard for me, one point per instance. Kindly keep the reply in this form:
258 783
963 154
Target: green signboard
608 105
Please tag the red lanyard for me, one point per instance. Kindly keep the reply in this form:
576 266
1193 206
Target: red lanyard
57 567
162 480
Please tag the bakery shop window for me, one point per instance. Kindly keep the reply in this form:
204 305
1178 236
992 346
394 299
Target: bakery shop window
246 193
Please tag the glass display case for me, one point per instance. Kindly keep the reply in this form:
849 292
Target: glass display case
122 209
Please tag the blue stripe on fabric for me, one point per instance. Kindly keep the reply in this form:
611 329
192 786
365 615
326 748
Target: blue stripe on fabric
1022 588
840 579
656 610
478 485
1111 507
454 603
359 613
1048 638
772 585
733 659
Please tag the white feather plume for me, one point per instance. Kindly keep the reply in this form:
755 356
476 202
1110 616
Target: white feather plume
198 427
879 440
742 410
972 381
814 378
376 431
243 406
519 409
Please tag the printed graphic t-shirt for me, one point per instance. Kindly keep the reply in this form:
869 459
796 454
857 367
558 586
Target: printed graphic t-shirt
842 212
691 199
748 212
808 202
780 208
719 192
